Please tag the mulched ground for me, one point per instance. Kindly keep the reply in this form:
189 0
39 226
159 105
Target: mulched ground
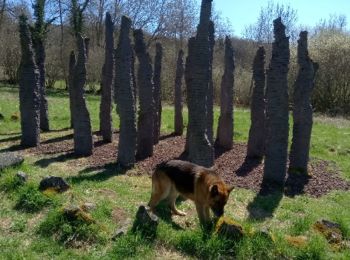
231 164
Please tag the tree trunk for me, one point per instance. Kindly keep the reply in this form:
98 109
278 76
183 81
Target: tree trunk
29 90
256 141
277 107
83 144
302 109
106 84
178 122
157 93
200 149
125 92
144 79
225 127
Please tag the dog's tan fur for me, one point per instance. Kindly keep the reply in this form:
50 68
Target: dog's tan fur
199 184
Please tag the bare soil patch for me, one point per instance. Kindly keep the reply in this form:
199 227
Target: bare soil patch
231 164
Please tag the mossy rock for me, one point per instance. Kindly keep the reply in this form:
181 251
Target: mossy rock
229 229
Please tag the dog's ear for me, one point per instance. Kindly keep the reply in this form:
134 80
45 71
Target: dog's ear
230 188
214 190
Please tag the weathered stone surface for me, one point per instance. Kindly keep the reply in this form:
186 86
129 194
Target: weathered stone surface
88 206
229 229
277 107
200 149
83 143
256 140
122 230
124 96
145 222
302 108
330 230
10 159
56 183
29 89
22 176
210 94
225 127
157 93
73 213
106 83
145 122
178 119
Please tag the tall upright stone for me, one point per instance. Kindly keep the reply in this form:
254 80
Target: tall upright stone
106 128
29 92
277 107
224 137
178 119
210 94
256 140
157 118
145 122
302 108
124 90
83 143
200 148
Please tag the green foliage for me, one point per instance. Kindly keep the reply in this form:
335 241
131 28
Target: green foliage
30 199
10 183
70 232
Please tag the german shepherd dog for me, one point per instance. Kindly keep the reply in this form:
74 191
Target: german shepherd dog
199 184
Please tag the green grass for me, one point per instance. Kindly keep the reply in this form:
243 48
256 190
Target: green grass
32 225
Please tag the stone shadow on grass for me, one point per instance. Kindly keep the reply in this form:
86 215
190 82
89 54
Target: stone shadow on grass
101 173
45 162
265 202
10 139
295 184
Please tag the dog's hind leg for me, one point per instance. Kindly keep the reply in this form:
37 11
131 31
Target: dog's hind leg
172 200
161 186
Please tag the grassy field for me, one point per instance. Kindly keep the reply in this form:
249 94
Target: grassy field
32 226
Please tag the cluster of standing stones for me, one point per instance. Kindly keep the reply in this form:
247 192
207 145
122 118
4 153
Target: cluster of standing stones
268 135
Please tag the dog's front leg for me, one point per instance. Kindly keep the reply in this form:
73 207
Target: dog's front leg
203 214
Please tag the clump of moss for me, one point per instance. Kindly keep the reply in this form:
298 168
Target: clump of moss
72 227
30 199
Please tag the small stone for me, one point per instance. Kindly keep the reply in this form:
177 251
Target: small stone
22 176
10 159
73 212
121 231
87 207
330 230
145 222
56 183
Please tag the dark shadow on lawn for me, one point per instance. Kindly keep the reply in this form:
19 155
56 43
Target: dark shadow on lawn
9 139
13 148
104 173
58 139
43 163
247 166
295 184
265 202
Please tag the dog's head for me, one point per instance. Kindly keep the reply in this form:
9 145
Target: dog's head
219 193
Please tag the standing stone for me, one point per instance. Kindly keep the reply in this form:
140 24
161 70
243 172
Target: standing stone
178 119
225 127
157 93
106 84
83 144
277 107
302 109
200 149
124 90
210 94
256 141
145 123
29 89
71 67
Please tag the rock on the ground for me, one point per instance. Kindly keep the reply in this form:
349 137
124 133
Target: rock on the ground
122 230
87 206
145 222
73 212
22 176
10 159
330 230
228 228
56 183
